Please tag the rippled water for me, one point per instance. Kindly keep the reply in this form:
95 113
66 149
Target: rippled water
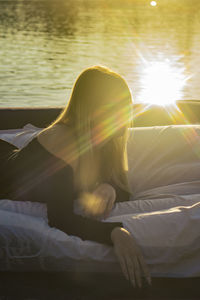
44 46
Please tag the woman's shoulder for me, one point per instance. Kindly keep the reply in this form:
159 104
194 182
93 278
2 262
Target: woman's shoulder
54 131
60 141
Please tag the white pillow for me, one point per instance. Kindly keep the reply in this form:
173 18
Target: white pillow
20 137
163 156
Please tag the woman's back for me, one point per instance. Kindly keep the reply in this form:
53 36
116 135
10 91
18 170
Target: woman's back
60 141
29 172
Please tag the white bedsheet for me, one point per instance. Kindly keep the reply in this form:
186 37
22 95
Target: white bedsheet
163 214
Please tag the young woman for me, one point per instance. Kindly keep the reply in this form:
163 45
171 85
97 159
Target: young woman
81 156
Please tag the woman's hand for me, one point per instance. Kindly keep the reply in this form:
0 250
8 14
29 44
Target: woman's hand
106 196
99 203
130 257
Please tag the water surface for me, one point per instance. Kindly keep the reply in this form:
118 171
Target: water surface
44 45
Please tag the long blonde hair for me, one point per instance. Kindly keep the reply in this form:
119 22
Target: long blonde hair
95 86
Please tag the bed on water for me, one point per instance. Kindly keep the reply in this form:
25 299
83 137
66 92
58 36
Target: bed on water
97 282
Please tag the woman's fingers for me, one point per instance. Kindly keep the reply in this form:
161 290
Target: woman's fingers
131 273
105 197
137 272
125 246
101 202
123 265
131 268
99 208
145 269
108 208
102 206
134 270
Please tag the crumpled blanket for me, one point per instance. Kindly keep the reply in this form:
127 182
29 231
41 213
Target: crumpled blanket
166 229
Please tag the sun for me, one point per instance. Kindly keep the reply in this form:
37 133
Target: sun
162 82
153 3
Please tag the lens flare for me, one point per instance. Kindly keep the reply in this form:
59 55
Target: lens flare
110 122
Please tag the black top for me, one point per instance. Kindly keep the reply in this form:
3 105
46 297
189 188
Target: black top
37 175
